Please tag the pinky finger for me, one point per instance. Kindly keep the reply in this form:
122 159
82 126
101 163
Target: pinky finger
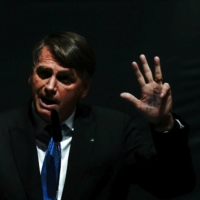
166 89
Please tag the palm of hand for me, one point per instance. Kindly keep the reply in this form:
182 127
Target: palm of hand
155 103
151 105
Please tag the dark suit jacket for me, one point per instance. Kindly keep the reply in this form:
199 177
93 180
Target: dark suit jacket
107 154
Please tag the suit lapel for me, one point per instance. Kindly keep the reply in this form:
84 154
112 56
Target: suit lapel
81 147
25 154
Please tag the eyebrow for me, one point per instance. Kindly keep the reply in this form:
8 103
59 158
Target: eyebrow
64 71
43 67
67 72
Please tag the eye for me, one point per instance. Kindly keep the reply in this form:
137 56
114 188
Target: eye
43 73
65 79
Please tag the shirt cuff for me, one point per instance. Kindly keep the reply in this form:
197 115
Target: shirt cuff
177 125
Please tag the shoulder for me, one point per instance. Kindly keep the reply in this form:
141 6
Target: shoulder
14 117
103 114
108 112
7 115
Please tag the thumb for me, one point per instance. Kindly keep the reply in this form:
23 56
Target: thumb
129 97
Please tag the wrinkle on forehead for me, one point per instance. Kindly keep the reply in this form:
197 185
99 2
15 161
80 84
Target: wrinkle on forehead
46 54
47 60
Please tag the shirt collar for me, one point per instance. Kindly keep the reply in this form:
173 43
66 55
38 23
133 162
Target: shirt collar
40 124
70 120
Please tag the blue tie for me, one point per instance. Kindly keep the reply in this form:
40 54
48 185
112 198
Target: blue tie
51 171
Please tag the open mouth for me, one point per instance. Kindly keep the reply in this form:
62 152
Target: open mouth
48 101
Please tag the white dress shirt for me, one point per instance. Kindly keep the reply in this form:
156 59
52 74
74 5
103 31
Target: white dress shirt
65 147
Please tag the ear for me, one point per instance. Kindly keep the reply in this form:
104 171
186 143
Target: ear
29 80
86 87
30 77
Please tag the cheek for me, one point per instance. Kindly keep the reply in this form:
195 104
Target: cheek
36 83
73 93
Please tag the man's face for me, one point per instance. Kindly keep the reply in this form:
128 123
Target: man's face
55 87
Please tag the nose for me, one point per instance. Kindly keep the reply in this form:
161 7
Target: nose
50 87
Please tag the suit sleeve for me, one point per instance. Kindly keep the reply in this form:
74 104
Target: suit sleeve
163 162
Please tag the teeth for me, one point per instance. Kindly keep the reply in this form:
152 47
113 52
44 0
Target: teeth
48 101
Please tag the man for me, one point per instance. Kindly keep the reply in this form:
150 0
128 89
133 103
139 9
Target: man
102 151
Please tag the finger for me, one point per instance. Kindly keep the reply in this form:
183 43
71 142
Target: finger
158 72
147 70
129 97
138 74
166 89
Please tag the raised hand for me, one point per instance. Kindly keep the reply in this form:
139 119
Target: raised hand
155 103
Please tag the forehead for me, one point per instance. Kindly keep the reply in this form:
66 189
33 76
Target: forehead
47 60
46 54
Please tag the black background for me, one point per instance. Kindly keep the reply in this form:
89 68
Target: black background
119 32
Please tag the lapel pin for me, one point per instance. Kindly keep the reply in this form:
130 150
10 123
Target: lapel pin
92 140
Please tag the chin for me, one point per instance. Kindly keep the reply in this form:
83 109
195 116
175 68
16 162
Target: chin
44 114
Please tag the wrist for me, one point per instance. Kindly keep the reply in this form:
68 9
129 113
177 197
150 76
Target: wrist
166 124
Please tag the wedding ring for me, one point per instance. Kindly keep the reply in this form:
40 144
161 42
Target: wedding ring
157 80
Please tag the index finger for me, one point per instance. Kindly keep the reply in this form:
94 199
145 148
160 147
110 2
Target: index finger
146 68
138 74
158 72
